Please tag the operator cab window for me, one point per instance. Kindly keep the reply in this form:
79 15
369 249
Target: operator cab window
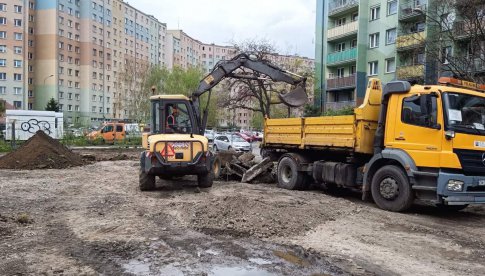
119 128
177 118
414 111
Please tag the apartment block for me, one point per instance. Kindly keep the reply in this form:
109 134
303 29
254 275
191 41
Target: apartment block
14 28
414 40
77 52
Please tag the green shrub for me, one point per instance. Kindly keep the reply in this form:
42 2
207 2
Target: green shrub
5 146
348 110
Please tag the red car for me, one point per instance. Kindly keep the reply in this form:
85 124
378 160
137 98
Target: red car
246 137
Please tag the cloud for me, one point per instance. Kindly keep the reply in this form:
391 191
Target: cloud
290 24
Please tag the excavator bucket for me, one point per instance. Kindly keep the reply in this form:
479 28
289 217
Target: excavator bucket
294 98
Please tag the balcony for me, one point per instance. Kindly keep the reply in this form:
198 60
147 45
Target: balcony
342 31
338 105
342 57
410 71
410 41
339 83
412 9
336 7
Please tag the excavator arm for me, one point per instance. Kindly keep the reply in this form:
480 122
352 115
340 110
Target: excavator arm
225 69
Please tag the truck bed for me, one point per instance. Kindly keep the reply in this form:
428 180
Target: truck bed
349 133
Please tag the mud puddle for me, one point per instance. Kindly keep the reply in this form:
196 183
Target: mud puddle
224 255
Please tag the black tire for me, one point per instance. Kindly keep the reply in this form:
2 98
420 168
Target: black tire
391 189
205 180
166 177
451 208
147 181
288 175
214 148
216 167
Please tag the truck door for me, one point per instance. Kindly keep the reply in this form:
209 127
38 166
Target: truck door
108 133
120 132
419 128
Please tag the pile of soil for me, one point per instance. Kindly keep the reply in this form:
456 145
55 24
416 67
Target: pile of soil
41 152
243 217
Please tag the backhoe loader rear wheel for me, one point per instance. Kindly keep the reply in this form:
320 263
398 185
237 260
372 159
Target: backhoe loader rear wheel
205 180
147 181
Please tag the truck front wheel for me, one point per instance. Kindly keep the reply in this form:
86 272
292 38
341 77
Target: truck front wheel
288 175
391 189
147 181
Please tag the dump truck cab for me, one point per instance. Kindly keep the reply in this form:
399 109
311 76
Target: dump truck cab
437 135
173 147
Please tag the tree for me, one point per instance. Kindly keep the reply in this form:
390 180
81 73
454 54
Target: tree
52 105
455 40
309 110
259 95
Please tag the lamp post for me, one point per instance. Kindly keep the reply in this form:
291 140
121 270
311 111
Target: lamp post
45 79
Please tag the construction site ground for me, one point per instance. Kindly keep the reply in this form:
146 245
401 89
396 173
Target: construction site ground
93 219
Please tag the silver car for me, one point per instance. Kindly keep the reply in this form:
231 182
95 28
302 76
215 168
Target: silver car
231 142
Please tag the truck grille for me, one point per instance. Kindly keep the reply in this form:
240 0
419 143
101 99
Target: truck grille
471 161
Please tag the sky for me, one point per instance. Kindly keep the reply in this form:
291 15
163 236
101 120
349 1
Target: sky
288 24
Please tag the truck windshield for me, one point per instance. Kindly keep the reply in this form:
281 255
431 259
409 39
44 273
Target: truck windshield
465 113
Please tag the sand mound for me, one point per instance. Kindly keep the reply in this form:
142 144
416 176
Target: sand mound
41 152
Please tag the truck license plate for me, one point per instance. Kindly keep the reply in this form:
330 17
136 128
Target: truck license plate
481 182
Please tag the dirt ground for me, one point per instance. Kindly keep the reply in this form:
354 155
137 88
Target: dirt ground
93 220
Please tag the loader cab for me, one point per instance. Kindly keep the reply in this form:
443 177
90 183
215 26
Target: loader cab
172 114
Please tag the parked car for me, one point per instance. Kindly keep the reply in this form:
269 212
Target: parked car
231 142
209 134
244 136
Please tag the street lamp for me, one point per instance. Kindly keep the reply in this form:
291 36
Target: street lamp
45 88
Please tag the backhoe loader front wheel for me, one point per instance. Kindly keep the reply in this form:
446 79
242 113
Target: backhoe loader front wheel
205 180
147 181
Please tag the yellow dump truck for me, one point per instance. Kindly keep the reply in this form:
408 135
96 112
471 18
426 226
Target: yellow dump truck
403 143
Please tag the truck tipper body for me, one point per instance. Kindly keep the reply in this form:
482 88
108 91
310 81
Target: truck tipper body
403 143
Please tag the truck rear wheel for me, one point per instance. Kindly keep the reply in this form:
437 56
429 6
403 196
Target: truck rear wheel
205 180
147 181
288 175
391 189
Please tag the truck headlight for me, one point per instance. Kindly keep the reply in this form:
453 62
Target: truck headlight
455 185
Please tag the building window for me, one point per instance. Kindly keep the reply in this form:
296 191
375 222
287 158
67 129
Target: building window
69 107
340 72
17 104
31 106
373 68
18 36
446 53
3 48
17 63
3 62
3 76
17 90
18 9
338 22
3 90
17 22
391 36
392 7
17 77
390 65
374 40
61 95
3 34
374 13
3 7
340 47
31 94
3 21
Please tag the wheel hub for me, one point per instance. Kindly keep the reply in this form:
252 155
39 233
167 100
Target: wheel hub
389 188
286 174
